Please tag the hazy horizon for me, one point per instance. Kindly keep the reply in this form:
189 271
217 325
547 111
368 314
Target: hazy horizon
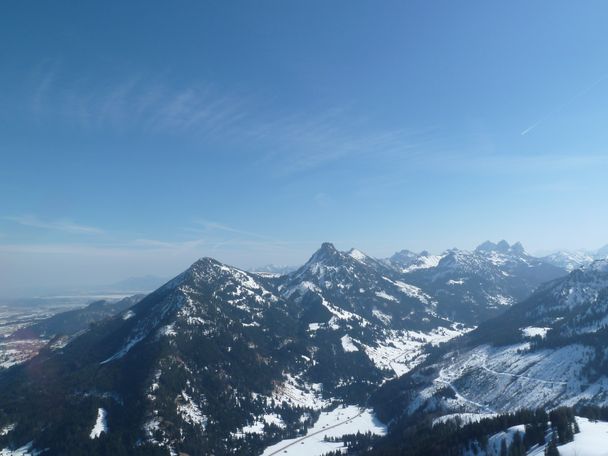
162 271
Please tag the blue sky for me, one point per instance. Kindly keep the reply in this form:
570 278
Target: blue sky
138 136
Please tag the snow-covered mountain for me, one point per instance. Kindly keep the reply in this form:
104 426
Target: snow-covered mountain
407 261
274 269
601 253
368 305
472 286
191 367
354 282
546 351
458 285
569 260
574 259
219 360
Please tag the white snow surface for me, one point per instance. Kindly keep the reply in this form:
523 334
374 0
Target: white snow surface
101 424
591 441
385 295
296 392
358 255
423 262
495 442
411 291
533 331
190 411
257 427
347 344
25 450
500 379
569 260
401 351
464 418
336 423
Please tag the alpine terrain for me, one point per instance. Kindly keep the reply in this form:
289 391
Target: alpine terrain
224 361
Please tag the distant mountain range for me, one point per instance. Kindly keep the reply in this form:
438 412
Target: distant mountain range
574 259
275 269
223 361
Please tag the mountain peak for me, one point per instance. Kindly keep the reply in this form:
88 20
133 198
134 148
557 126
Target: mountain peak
326 251
518 248
328 247
208 269
487 246
602 252
205 262
404 255
501 247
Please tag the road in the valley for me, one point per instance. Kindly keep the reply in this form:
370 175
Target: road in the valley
301 439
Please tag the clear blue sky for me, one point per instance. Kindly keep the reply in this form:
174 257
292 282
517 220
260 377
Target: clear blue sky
137 136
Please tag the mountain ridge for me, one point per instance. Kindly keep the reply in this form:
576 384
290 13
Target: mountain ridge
219 359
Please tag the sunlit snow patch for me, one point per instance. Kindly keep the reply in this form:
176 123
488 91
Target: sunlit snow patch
25 450
533 331
591 441
336 423
463 418
101 424
190 411
347 344
257 427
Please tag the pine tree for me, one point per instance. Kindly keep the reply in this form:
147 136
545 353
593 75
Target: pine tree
551 449
503 448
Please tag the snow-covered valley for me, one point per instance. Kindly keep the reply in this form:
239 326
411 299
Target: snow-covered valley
325 435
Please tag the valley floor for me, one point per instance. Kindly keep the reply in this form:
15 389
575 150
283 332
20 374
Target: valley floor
332 424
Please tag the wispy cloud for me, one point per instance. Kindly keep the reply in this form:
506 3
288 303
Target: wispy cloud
291 141
209 227
43 79
168 245
306 141
66 226
151 105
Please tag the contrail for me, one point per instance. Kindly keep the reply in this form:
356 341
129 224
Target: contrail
562 106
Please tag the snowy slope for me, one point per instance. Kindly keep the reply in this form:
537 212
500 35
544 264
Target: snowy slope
592 440
569 260
544 352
